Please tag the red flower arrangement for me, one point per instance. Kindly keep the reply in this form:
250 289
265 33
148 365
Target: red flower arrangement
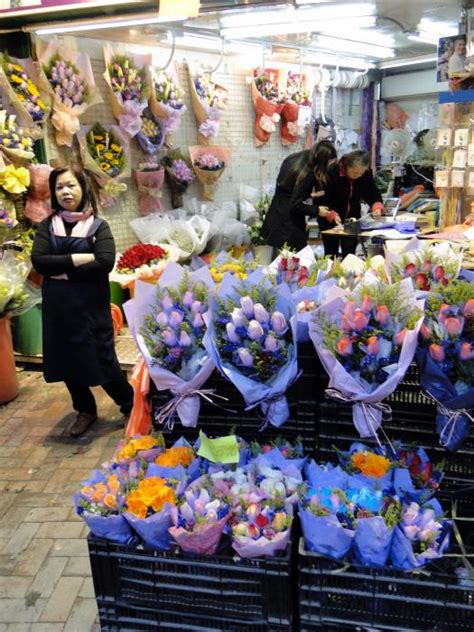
139 255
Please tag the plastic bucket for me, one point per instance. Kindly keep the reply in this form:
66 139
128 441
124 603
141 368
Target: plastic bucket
118 296
28 332
8 379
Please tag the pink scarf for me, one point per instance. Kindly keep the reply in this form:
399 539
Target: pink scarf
83 223
71 217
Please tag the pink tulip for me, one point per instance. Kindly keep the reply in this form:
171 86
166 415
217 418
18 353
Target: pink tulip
271 344
169 337
444 312
454 326
255 330
410 269
247 306
232 335
438 273
167 302
162 319
466 352
188 298
261 313
346 325
427 265
436 352
469 307
349 309
400 336
367 304
197 307
373 345
198 321
421 282
344 346
360 321
176 318
245 357
425 332
278 322
382 315
184 339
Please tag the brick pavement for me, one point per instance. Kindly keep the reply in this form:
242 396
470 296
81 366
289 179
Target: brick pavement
45 577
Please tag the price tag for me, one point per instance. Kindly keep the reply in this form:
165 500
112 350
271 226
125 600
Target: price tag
221 450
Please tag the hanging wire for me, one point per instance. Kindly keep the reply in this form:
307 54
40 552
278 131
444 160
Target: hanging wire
221 59
173 47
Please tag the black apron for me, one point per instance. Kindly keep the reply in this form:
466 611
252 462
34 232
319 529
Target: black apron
78 340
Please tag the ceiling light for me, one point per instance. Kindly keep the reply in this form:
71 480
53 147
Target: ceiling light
356 48
410 61
94 26
443 29
313 57
361 34
189 40
424 38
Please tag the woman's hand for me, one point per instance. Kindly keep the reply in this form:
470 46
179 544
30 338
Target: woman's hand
377 209
331 216
80 259
323 211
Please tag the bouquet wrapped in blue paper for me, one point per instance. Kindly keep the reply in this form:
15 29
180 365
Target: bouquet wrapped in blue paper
327 522
414 475
100 503
366 342
366 467
422 535
251 337
280 453
179 462
326 475
446 360
167 323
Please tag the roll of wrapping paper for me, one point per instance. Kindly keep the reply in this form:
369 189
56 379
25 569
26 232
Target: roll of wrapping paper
450 207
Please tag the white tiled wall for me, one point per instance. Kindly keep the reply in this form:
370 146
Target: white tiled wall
249 165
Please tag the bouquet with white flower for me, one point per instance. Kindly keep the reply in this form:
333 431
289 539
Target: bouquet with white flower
251 337
166 100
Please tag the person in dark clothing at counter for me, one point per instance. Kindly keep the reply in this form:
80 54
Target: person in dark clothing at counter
300 192
349 182
74 250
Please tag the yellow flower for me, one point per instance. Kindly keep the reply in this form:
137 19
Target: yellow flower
14 180
181 455
16 79
115 161
17 67
104 166
108 155
34 91
116 148
100 147
98 137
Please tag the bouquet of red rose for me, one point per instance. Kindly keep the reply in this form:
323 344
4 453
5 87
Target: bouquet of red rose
265 101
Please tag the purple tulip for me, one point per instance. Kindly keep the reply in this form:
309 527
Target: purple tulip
184 339
162 319
198 321
197 307
167 302
271 344
176 318
255 330
232 335
169 337
261 313
238 317
188 298
247 306
278 322
245 357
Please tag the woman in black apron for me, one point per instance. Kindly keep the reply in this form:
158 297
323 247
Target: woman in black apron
74 250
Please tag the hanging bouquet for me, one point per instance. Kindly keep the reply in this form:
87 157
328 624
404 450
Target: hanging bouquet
166 100
144 262
19 79
427 266
178 174
100 503
38 205
105 152
149 178
209 100
129 82
422 535
199 521
151 136
261 528
251 338
295 100
7 211
67 77
265 102
15 142
446 360
366 343
167 323
209 164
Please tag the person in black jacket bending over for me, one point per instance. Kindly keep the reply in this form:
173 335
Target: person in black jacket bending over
302 176
74 250
350 181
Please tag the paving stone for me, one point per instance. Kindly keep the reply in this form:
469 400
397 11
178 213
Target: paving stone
14 587
21 539
48 627
18 627
12 520
18 474
70 548
17 611
82 617
78 566
60 529
48 575
87 589
60 603
52 514
31 560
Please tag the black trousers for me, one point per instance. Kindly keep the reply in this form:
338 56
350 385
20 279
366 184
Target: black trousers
119 390
331 245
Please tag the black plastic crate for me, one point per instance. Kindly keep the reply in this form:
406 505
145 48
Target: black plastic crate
302 396
223 587
333 595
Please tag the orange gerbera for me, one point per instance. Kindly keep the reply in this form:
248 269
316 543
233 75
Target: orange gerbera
151 493
370 464
133 446
180 455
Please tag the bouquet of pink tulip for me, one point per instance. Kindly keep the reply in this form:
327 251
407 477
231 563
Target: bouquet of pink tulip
209 164
366 342
446 360
209 100
261 528
251 338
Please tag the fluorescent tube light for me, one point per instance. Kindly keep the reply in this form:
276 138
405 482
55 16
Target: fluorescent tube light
345 46
286 28
442 29
316 58
359 33
189 40
109 24
410 61
424 38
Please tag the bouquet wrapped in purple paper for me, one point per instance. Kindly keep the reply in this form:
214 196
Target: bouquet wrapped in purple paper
261 529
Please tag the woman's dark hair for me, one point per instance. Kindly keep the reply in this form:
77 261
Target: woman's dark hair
88 198
316 160
357 158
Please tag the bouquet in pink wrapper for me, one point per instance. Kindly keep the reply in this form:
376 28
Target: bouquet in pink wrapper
209 100
166 100
366 342
261 528
38 205
149 179
67 76
129 81
199 521
209 164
